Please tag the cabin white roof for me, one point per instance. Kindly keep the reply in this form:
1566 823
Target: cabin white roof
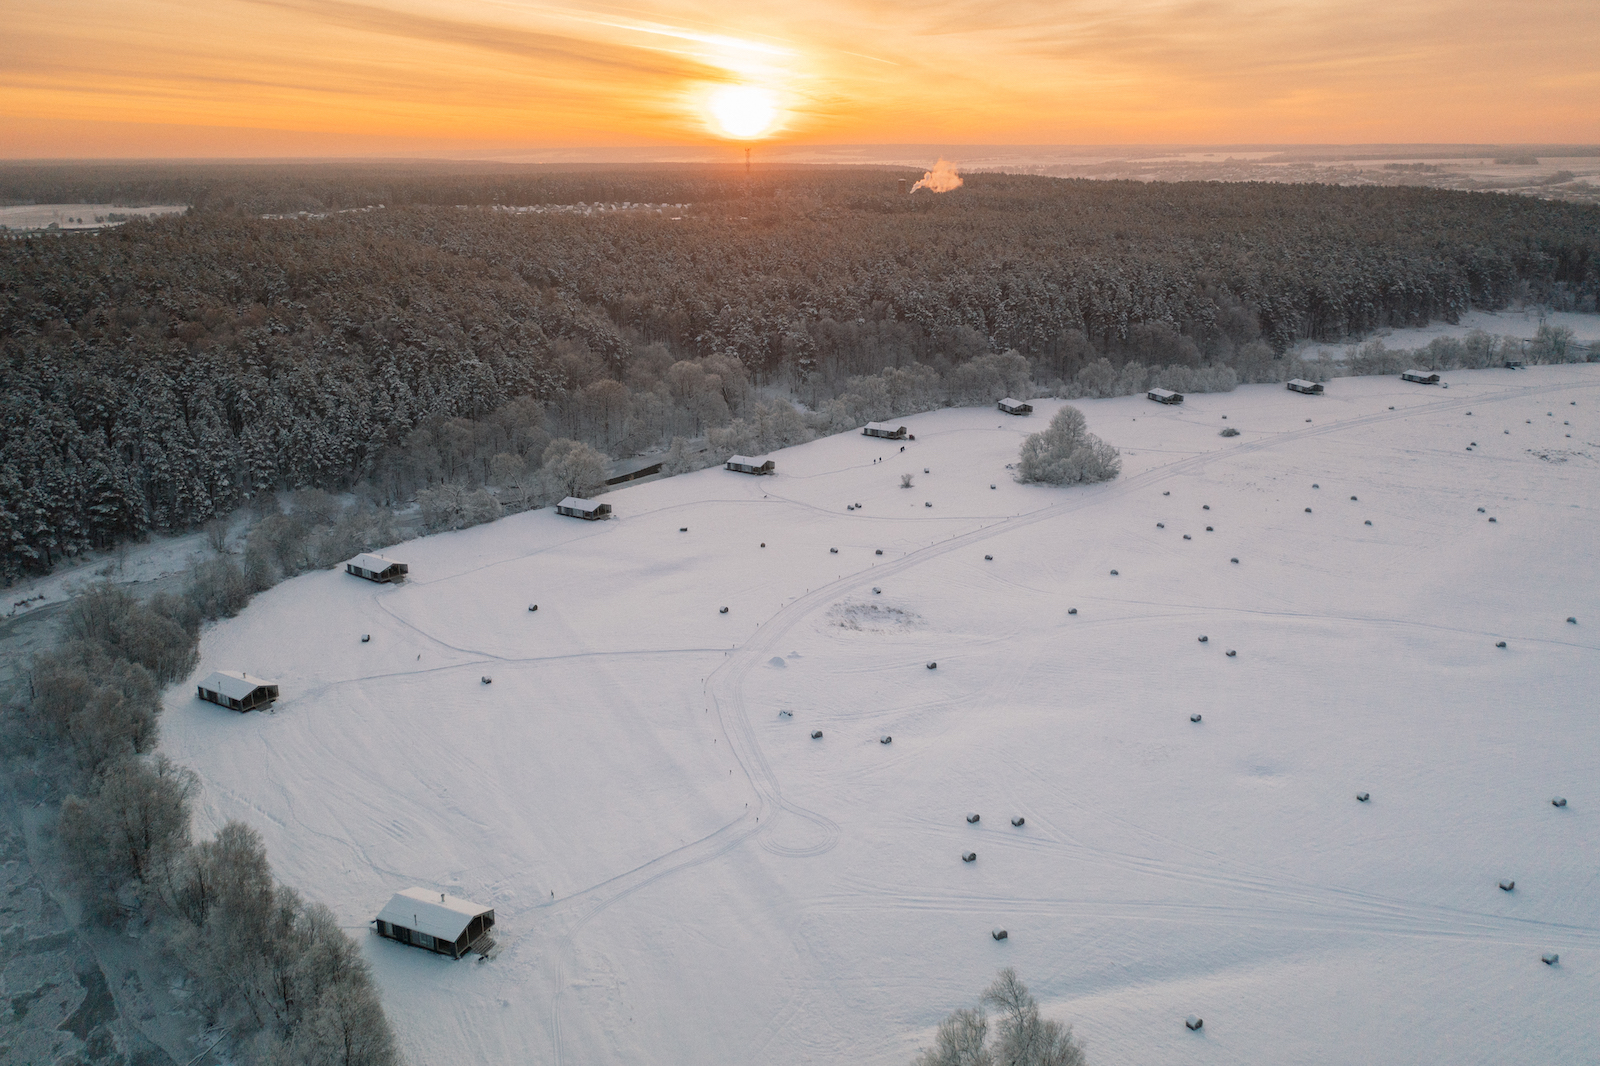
1161 392
374 562
1012 402
575 502
746 460
436 913
1302 383
890 426
234 684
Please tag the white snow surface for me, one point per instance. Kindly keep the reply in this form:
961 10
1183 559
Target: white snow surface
681 874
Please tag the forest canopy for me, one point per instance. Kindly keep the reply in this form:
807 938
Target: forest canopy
161 373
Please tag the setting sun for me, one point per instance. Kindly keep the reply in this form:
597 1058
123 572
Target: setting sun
743 111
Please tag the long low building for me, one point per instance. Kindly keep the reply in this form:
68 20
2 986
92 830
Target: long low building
375 567
884 429
237 690
1310 388
448 925
1015 407
1164 396
744 464
1421 377
573 507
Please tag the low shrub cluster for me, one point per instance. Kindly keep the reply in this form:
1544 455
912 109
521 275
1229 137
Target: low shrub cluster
1020 1036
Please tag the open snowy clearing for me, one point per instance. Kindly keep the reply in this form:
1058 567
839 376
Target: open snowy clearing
681 874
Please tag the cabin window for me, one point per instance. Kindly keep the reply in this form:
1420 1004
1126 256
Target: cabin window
424 940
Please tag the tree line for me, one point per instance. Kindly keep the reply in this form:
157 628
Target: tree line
160 374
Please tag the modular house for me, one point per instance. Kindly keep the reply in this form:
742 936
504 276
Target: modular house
746 465
237 690
885 430
447 925
1516 364
375 567
1310 388
1421 377
1164 396
573 507
1015 407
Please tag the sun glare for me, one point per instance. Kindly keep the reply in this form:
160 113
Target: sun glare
743 111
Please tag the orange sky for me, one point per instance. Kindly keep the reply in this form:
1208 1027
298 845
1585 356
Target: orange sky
101 78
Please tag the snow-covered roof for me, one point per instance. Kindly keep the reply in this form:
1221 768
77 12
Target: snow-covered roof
577 504
1302 383
745 460
234 684
1162 392
1012 402
435 913
890 426
374 562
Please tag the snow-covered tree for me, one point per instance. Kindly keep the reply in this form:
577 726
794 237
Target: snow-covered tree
1066 453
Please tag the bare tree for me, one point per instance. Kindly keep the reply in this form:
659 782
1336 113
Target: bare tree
960 1041
572 468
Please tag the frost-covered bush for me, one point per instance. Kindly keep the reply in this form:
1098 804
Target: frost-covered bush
1229 432
1021 1037
571 468
452 506
1066 453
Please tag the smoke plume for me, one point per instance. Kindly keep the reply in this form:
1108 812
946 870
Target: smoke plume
942 178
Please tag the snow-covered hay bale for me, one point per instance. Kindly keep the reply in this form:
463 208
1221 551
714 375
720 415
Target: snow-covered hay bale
933 666
485 679
1362 797
1232 653
973 818
833 551
886 739
999 934
1194 718
1499 643
816 734
988 558
1195 1024
683 529
1559 801
1507 885
1072 610
1572 620
1550 959
532 607
365 637
722 610
1234 559
1205 639
969 856
878 552
1019 820
1187 537
1113 573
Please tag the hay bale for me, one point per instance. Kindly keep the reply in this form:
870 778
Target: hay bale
991 486
1572 620
1205 507
1481 511
1072 610
1187 537
683 529
925 470
1352 497
1551 959
816 734
785 714
1499 643
1314 484
1559 801
1161 525
1194 1024
988 558
833 551
972 819
886 739
876 591
763 544
1209 529
927 505
878 552
1308 510
1235 559
969 856
1194 718
1168 493
999 934
1369 521
933 666
365 637
1113 573
1231 653
1491 518
724 610
532 607
485 679
1507 885
1205 639
1019 820
1362 797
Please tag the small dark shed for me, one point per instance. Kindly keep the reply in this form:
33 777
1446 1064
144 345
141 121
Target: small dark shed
237 690
885 430
1164 396
375 567
448 925
1421 377
744 464
1015 407
1310 388
573 507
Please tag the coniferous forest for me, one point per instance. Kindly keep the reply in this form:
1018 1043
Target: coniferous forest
162 373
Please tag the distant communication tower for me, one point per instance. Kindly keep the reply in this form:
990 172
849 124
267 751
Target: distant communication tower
902 186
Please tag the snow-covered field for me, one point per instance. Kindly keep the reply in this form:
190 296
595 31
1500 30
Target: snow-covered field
680 874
